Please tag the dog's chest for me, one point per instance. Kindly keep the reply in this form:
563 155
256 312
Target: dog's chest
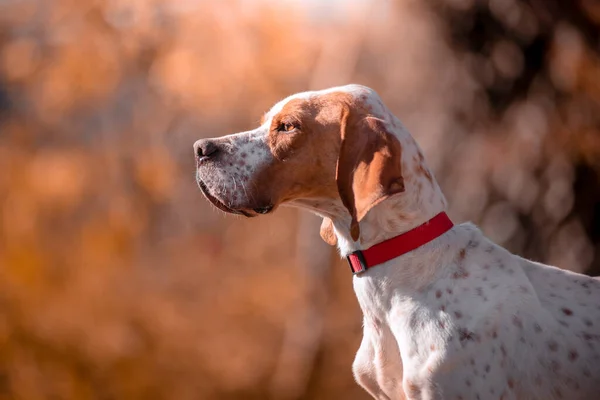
373 295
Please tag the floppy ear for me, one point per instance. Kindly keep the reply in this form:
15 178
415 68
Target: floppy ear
327 232
368 167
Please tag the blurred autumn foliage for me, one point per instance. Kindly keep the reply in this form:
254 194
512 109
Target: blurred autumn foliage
118 281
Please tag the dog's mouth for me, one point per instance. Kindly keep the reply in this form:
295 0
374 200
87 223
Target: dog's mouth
238 211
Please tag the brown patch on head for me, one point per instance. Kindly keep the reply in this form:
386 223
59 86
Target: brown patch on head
304 140
330 146
283 141
369 167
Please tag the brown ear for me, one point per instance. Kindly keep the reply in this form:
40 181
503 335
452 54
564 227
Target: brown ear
327 232
369 165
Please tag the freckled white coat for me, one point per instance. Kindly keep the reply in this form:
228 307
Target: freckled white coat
459 317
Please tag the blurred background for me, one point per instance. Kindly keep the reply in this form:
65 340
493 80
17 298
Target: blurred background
119 281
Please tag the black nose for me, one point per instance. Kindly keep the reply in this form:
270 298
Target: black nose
205 148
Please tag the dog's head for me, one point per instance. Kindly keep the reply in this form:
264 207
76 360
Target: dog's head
332 146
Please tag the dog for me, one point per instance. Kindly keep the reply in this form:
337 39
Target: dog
448 314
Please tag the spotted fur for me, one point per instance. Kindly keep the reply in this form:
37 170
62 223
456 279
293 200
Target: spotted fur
458 318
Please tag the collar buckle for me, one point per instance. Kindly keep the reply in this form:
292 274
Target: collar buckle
359 258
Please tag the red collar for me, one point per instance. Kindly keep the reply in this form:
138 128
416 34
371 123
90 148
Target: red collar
361 260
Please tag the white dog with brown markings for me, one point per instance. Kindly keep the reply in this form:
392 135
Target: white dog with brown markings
447 313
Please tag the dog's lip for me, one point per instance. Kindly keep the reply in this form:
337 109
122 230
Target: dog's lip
220 205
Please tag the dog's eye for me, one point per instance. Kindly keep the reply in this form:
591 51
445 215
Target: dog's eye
286 127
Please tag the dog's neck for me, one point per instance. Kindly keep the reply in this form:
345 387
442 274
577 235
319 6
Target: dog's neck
421 201
390 218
